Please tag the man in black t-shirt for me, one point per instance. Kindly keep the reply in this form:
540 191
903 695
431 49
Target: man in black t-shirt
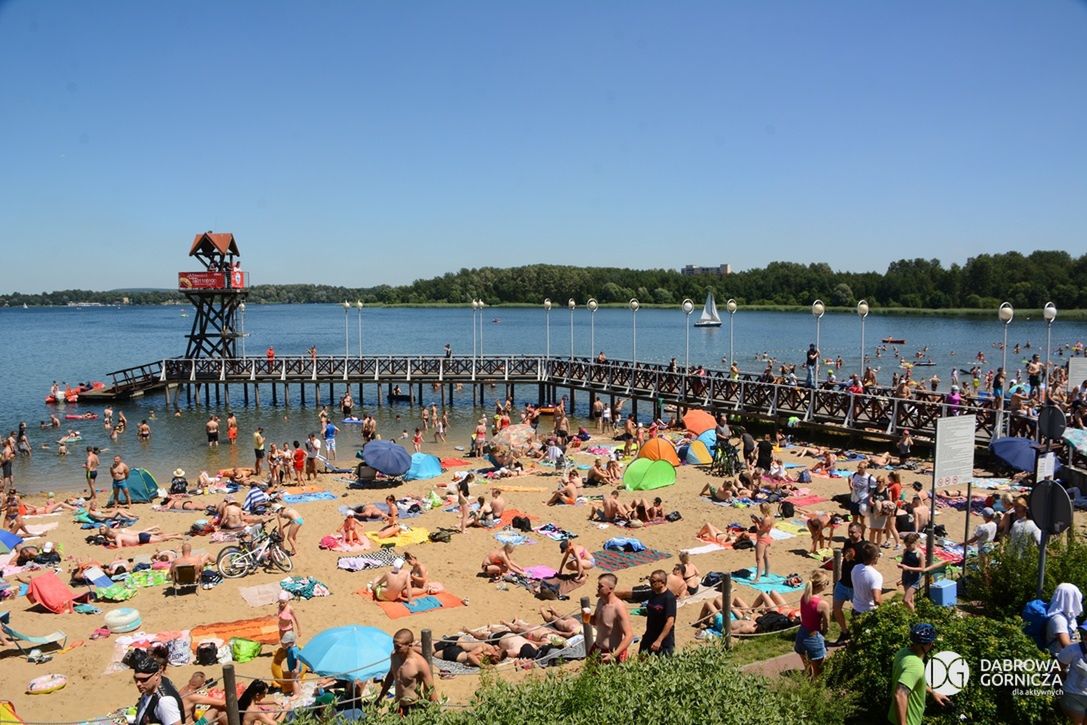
765 454
748 441
660 610
811 360
843 589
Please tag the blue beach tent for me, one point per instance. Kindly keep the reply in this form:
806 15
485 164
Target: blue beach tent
142 486
423 466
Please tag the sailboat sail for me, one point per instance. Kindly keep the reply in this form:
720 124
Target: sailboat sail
709 317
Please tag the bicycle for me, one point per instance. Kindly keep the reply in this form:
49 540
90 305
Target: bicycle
726 460
253 550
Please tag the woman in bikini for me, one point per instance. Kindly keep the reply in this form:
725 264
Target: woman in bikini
392 519
691 576
499 562
289 522
286 618
713 535
764 524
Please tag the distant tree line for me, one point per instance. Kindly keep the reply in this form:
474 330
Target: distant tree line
983 282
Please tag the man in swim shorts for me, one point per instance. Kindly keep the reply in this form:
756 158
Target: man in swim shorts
212 429
90 468
119 473
411 673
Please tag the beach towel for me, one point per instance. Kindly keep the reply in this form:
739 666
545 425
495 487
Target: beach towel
305 587
401 509
260 629
792 527
48 591
554 532
334 542
767 583
261 595
416 535
510 537
616 560
396 610
540 571
777 534
373 560
294 498
39 529
563 583
705 549
810 500
454 462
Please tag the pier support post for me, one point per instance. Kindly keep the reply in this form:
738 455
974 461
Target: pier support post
586 626
362 400
218 402
428 647
245 394
256 394
188 395
275 399
302 392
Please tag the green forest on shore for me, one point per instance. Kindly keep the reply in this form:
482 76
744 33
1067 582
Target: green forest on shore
917 285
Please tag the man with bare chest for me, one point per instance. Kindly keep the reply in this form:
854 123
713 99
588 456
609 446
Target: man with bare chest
410 672
614 632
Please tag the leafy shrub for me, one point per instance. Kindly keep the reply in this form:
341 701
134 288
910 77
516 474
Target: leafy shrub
698 685
864 666
1002 581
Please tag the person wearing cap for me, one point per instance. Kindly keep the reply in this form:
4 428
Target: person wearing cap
394 585
985 533
908 686
179 484
159 700
288 644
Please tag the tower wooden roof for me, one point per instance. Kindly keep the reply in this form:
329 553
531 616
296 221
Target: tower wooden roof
210 242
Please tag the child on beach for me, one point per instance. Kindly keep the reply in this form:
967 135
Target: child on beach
417 439
350 531
764 524
912 568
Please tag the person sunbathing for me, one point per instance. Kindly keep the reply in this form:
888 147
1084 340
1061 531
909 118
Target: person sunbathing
467 651
564 625
232 518
50 505
511 645
188 558
724 493
350 531
178 502
821 527
713 535
123 537
393 585
483 515
498 562
610 510
825 465
368 511
646 512
566 494
743 616
615 470
813 451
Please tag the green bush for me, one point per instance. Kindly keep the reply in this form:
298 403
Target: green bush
698 685
1002 581
864 666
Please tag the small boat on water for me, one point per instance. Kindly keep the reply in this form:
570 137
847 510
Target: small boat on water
893 341
71 395
709 316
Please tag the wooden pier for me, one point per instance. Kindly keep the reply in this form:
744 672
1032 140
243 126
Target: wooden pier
375 382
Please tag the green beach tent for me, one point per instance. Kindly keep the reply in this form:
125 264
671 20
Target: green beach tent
142 486
646 475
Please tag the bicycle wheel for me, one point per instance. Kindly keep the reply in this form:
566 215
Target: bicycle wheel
280 558
232 563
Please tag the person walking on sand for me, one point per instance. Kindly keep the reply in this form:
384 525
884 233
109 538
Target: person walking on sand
90 467
258 450
764 523
411 674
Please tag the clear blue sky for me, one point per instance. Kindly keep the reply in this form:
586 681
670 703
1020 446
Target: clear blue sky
363 143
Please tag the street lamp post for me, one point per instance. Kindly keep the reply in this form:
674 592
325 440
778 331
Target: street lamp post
346 332
817 310
731 306
634 337
688 308
1049 312
572 305
475 306
1006 313
241 309
482 304
547 326
358 305
862 310
593 306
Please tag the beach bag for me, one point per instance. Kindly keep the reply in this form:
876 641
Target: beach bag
548 591
713 578
207 654
804 476
1035 618
441 536
521 523
674 516
787 509
244 650
743 544
772 622
328 542
179 651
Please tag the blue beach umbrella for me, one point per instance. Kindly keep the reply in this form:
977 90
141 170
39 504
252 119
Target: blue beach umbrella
709 439
8 541
353 652
387 457
1018 453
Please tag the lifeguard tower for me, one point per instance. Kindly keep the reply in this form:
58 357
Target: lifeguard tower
216 292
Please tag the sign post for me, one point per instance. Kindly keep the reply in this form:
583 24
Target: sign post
1050 506
954 466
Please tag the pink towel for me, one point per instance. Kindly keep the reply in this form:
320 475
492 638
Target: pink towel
539 571
806 500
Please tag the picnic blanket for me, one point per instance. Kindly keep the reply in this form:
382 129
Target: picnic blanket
396 610
309 497
261 595
372 560
415 535
767 583
808 500
616 560
149 578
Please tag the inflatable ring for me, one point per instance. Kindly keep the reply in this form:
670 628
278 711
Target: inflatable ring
45 684
278 662
125 619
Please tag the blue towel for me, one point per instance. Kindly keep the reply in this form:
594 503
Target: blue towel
771 583
309 497
423 604
622 543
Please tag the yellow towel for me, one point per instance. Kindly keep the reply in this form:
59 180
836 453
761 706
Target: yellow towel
414 535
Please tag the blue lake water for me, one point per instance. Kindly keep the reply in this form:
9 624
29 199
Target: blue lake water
74 344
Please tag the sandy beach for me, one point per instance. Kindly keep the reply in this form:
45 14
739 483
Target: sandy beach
90 693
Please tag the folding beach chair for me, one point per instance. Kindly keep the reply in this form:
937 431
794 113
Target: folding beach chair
56 638
186 576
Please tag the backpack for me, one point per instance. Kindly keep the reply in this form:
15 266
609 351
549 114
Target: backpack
772 622
1035 616
674 516
441 536
787 509
712 578
548 591
804 476
521 523
207 654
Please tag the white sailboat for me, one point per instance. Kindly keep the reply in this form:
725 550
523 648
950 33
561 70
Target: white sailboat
709 317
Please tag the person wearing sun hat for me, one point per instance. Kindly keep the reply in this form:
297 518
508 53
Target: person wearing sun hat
908 685
178 484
